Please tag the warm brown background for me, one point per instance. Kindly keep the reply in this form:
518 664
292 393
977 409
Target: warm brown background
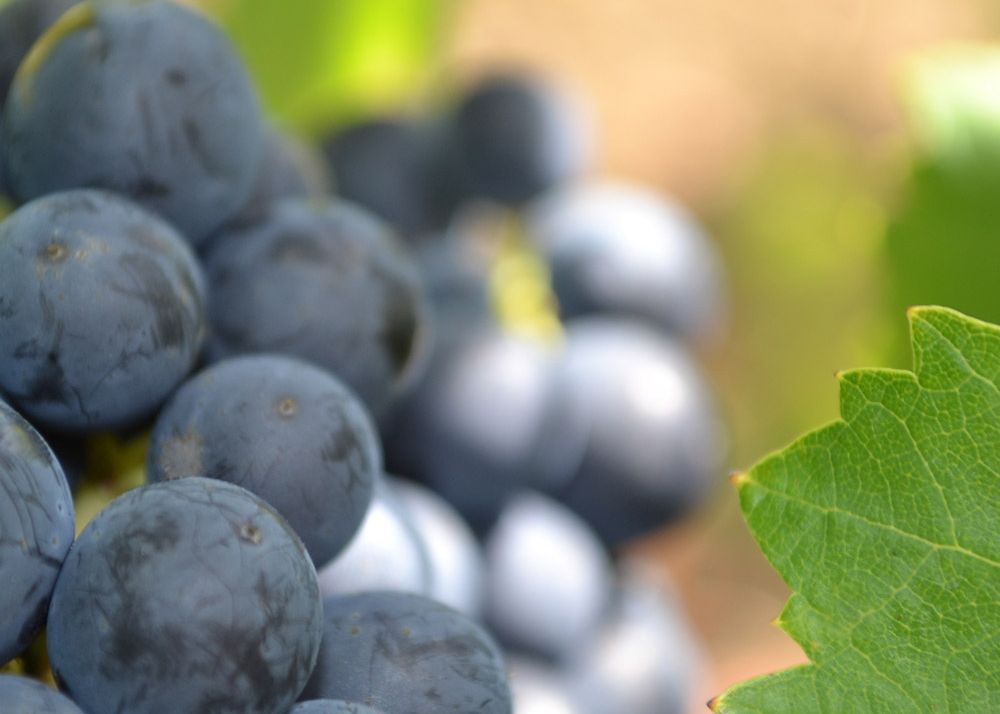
685 92
780 123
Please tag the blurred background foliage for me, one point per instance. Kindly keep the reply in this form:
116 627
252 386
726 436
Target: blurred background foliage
320 63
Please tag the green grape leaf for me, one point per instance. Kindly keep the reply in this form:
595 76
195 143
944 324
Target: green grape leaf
886 526
316 62
943 242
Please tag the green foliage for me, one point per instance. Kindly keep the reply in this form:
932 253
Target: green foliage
885 525
943 245
320 61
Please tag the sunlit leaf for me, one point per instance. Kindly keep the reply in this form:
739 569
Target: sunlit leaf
884 524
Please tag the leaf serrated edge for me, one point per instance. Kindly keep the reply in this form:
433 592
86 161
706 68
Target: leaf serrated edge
741 479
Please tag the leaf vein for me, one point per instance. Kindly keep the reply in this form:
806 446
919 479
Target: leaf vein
876 524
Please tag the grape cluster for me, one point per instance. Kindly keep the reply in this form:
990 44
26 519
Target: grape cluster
211 363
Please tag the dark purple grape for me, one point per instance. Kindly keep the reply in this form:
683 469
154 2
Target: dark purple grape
36 530
549 579
327 283
26 696
147 99
622 249
456 559
644 659
653 443
102 311
191 595
283 429
516 138
406 654
475 428
394 167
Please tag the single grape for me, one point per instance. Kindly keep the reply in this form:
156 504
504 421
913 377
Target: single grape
36 530
617 248
474 428
147 99
549 579
102 310
387 552
191 595
324 282
644 660
516 138
456 560
653 443
393 167
407 655
283 429
26 696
